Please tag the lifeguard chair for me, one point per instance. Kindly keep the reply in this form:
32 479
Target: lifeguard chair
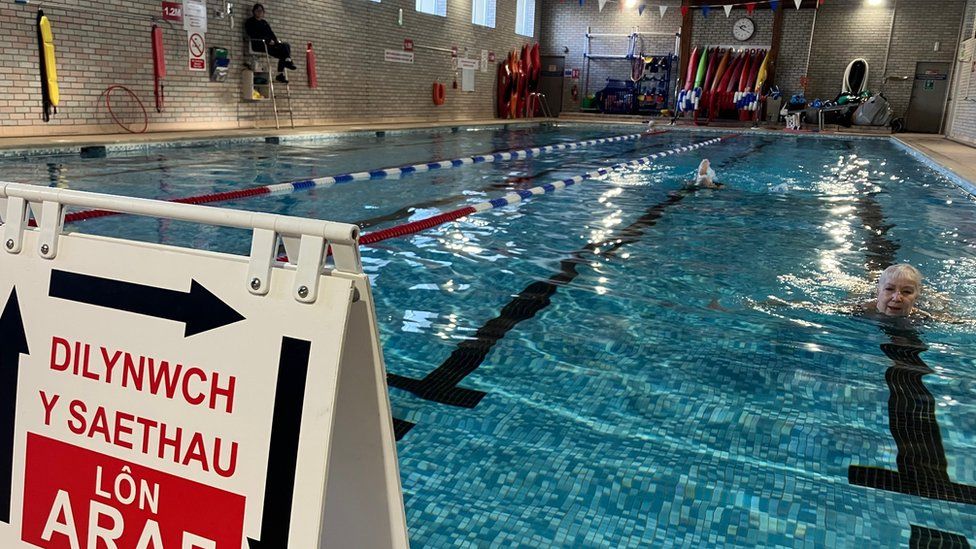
257 82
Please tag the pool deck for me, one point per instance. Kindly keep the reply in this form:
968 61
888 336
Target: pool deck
956 157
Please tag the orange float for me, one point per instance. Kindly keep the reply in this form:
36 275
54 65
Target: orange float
439 93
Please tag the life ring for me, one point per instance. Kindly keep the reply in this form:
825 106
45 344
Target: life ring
439 93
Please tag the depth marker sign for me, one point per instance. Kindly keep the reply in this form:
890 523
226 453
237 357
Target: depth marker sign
156 397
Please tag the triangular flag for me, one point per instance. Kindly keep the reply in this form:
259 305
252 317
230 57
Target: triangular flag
684 11
601 3
820 3
774 5
728 9
640 9
705 10
797 2
750 7
664 9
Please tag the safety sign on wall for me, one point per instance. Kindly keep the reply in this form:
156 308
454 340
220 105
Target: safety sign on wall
152 398
173 11
396 56
197 46
195 16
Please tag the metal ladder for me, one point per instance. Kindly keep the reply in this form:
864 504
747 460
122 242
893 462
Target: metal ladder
271 83
543 102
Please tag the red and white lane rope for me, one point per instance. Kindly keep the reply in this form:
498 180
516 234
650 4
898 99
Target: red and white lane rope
383 173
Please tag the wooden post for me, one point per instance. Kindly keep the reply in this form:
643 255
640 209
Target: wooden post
685 53
774 47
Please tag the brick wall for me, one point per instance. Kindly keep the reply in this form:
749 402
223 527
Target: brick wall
962 123
355 84
564 24
844 30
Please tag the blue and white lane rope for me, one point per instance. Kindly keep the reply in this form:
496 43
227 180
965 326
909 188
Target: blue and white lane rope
328 181
399 171
519 196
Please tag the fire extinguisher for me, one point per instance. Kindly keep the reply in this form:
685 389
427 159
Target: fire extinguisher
313 79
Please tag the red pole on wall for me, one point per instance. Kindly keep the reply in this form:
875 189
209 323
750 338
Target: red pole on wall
159 67
313 79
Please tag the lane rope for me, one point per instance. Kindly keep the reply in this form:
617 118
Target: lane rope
520 196
382 173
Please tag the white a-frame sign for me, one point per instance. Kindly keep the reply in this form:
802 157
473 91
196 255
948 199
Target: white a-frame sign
161 397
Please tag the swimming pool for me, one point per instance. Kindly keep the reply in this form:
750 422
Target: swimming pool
625 363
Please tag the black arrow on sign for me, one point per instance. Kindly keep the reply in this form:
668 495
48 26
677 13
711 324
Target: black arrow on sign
199 309
13 343
279 484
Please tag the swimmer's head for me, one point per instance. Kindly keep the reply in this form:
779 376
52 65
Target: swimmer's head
705 176
898 288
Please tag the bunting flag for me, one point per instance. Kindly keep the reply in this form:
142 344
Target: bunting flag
728 9
684 11
774 5
797 2
820 3
705 10
640 9
750 7
664 9
601 3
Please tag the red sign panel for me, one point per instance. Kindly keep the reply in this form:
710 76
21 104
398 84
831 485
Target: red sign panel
576 74
491 57
454 51
78 497
197 64
407 44
172 11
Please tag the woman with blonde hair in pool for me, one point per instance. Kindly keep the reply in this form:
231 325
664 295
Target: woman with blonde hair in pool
898 289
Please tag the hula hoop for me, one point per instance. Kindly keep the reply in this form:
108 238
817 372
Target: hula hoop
108 104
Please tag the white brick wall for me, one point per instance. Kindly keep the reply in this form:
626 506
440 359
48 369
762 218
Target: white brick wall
349 37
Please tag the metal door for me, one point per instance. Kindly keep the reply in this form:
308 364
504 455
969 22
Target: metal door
926 107
551 81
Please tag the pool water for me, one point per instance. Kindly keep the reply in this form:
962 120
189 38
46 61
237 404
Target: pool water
629 363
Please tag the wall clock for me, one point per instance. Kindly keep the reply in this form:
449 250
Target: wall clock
743 29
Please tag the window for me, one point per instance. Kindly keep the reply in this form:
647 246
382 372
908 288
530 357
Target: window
483 13
525 18
433 7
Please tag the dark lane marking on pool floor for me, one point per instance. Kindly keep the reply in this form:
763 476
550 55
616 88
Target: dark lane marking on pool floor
921 459
441 384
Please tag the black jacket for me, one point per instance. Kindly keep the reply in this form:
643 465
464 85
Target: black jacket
259 30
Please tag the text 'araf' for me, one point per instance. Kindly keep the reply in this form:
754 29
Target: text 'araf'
162 397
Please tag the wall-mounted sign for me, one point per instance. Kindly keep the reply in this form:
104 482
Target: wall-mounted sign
195 15
394 56
407 44
197 46
491 57
470 64
173 11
